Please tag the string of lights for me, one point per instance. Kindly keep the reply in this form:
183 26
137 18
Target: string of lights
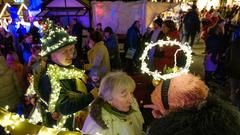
157 75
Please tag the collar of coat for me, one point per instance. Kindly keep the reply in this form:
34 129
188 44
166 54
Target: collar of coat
116 112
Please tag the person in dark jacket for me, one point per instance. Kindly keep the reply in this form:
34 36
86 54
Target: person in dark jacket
60 86
77 30
25 47
35 33
133 40
182 106
191 24
112 45
233 67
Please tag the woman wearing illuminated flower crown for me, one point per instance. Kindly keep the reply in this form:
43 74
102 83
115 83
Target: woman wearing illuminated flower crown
60 87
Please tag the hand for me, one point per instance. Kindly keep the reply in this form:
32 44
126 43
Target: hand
155 112
94 92
55 115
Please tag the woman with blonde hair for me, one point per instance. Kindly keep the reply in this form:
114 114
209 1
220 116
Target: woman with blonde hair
115 111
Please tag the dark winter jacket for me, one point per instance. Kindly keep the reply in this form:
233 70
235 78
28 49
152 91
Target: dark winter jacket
213 117
233 61
133 40
69 101
191 22
112 46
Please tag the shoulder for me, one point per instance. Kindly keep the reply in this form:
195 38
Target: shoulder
91 127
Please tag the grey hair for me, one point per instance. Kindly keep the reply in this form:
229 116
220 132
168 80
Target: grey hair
115 81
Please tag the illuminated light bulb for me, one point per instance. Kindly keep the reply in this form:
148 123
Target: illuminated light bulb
157 75
6 107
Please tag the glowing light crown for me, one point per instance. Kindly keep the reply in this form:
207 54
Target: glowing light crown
157 75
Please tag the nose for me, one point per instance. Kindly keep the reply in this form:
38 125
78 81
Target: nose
130 98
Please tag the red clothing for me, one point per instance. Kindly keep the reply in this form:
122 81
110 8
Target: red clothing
169 51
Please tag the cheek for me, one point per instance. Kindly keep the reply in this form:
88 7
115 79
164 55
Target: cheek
119 102
156 97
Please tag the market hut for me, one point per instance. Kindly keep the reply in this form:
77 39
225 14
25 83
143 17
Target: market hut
65 10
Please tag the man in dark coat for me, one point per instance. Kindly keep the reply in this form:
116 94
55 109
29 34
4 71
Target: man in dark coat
133 40
191 24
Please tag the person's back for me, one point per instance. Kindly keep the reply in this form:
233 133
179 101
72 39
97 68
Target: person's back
111 43
10 90
212 117
105 62
191 22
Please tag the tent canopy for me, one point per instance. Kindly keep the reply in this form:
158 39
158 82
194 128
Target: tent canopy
65 8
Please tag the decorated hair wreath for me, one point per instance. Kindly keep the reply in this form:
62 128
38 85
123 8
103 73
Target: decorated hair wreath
176 71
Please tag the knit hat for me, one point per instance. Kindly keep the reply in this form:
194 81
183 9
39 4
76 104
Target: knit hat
54 38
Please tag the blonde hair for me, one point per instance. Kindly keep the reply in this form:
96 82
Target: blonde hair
111 83
115 81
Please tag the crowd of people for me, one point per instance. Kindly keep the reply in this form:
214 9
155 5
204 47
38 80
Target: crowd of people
101 100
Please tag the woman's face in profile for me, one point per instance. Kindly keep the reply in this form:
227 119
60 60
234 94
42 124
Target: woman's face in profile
122 100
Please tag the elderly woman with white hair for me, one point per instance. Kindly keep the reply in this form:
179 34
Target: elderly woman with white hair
115 111
183 106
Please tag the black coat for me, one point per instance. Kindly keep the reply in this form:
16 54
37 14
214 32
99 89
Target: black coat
215 117
191 22
233 59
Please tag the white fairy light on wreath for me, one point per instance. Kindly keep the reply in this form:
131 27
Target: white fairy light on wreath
157 75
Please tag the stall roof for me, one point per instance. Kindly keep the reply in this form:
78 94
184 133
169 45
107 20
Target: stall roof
4 10
65 8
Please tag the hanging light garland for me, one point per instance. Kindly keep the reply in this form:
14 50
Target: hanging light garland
157 75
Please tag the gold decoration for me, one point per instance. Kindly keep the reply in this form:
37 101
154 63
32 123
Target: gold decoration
16 125
155 82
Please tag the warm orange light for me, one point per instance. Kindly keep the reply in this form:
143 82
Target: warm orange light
4 9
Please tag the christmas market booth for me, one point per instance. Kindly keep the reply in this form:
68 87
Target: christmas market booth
65 10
